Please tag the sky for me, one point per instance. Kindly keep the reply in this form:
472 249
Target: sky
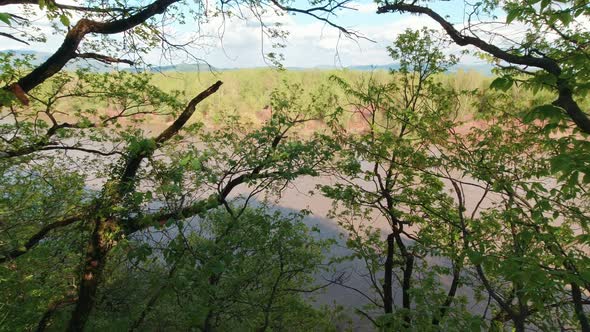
310 43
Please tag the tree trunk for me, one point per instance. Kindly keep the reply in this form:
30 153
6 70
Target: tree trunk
208 324
579 309
98 248
406 285
450 295
388 280
518 324
106 228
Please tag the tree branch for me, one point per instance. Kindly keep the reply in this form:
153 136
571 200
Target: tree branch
548 64
197 208
53 307
134 161
34 240
67 7
7 35
186 114
326 10
86 150
76 34
103 58
565 100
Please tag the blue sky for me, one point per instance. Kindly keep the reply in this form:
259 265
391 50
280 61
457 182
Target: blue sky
313 43
310 43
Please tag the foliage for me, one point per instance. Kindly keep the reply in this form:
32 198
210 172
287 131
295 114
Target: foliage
506 233
246 273
87 181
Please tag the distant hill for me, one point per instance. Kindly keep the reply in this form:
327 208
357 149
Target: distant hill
40 57
189 67
374 67
483 68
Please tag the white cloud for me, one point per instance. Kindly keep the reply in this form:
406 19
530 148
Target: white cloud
242 44
368 8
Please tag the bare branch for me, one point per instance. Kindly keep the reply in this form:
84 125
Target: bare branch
7 35
75 148
328 10
186 114
133 163
103 58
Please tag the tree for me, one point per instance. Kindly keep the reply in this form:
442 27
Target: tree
113 33
505 238
86 187
380 172
549 52
526 230
223 273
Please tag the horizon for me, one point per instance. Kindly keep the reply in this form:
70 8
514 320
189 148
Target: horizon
483 67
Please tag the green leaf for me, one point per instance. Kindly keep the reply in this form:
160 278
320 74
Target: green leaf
4 17
512 14
64 20
475 257
503 83
544 112
561 163
565 17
